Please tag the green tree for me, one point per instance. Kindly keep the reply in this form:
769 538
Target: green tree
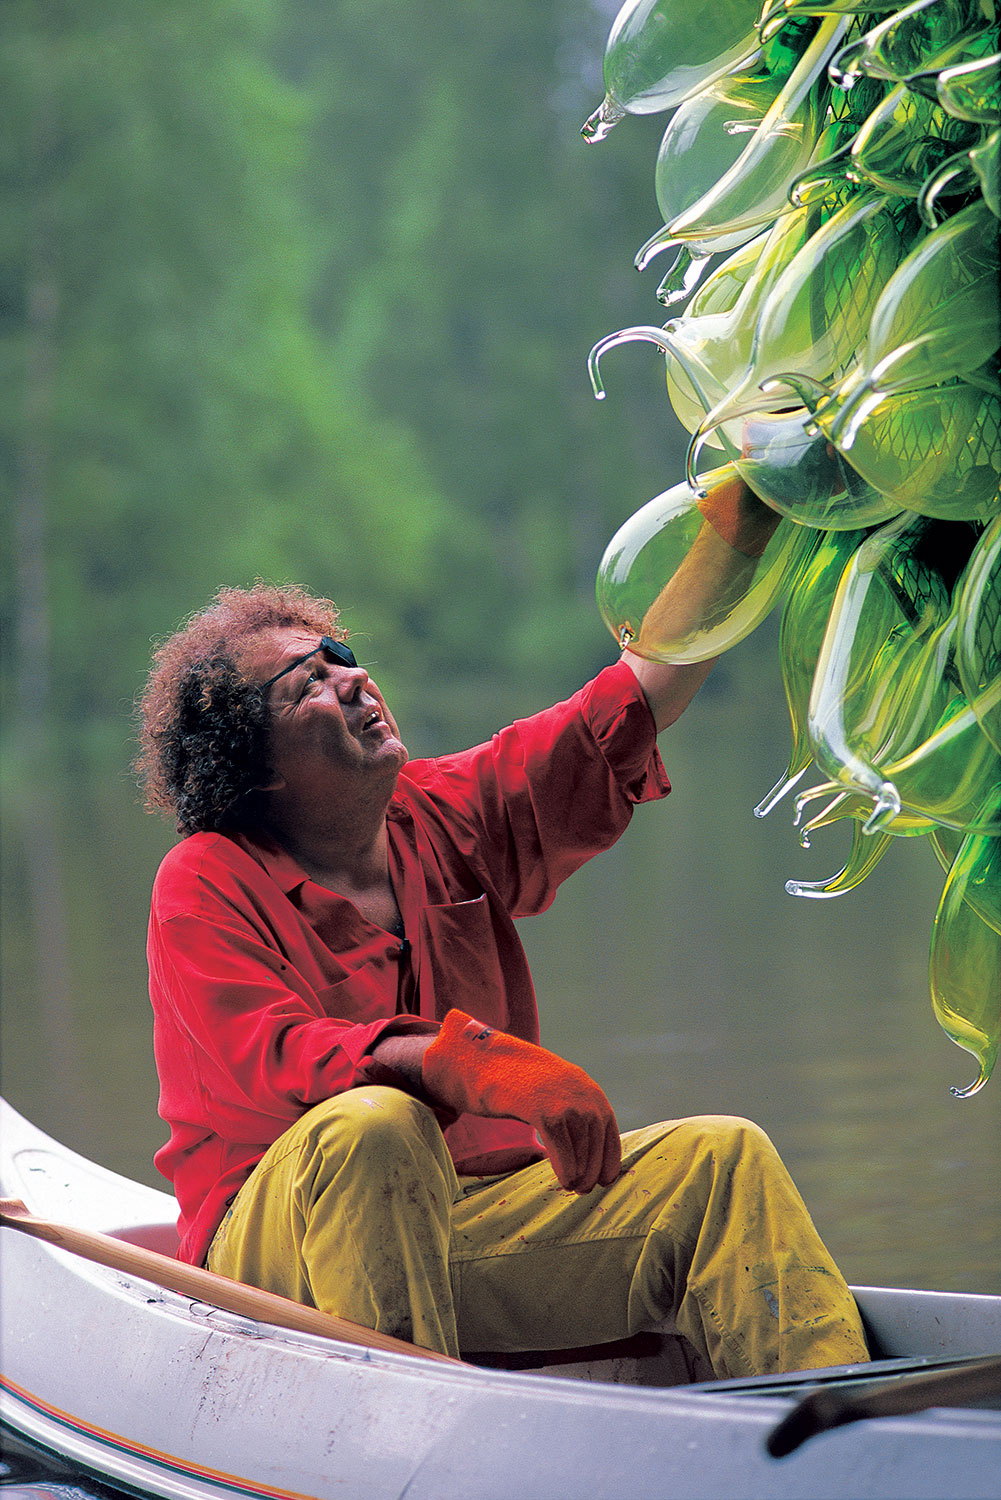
489 249
170 419
303 292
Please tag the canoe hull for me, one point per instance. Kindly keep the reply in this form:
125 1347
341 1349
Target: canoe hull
150 1391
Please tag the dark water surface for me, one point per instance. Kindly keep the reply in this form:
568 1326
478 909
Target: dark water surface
27 1473
677 970
682 975
674 967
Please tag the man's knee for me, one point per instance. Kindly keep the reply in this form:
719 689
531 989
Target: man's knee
731 1142
381 1117
371 1126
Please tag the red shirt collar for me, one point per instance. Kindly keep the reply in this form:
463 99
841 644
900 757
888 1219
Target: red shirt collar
276 861
279 864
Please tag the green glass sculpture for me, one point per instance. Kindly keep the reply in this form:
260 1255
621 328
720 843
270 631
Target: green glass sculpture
844 806
801 633
946 843
978 641
659 52
915 39
755 188
818 312
689 576
956 176
777 13
718 302
704 139
979 871
972 90
985 159
887 716
947 776
719 292
707 134
801 474
686 270
965 958
707 350
863 857
904 140
932 451
716 292
936 317
888 606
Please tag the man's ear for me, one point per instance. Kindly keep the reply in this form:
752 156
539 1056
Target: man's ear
274 785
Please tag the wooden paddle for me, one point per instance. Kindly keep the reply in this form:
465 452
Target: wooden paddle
204 1286
962 1385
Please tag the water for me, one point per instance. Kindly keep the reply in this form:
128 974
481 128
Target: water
28 1473
677 970
679 973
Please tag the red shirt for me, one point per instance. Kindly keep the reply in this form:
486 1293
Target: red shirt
269 991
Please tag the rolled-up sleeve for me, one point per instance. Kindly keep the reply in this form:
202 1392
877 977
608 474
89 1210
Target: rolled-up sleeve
548 792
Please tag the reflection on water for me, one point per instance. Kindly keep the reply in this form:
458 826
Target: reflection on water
27 1473
677 970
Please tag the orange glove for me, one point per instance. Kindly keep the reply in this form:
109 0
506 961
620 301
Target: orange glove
470 1067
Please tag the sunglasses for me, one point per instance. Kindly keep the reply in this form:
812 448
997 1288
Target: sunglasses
336 649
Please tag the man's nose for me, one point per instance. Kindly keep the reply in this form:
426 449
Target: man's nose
350 682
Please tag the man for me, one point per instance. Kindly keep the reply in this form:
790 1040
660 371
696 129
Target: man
361 1116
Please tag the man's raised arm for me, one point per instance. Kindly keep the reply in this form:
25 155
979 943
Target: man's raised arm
712 577
668 686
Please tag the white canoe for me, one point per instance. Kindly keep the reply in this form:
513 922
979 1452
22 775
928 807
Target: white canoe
150 1391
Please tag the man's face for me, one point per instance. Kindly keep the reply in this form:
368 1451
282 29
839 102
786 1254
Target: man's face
330 727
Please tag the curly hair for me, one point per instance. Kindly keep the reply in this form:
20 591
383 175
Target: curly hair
203 725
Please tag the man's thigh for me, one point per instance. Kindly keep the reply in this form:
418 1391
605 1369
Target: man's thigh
342 1192
537 1267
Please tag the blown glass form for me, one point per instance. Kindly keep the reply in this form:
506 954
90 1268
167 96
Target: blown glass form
828 185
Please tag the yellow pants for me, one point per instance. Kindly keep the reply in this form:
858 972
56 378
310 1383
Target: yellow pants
357 1210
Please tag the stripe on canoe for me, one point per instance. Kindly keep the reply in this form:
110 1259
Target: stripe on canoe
169 1462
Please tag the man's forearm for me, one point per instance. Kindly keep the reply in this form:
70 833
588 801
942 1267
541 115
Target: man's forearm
669 687
404 1055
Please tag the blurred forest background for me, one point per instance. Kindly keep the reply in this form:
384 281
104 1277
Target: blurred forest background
305 291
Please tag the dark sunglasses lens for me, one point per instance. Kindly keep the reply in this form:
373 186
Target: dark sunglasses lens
339 651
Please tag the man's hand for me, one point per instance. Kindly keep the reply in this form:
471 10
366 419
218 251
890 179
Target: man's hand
473 1069
711 579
